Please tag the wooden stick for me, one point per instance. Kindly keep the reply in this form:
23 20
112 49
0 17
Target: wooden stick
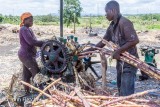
27 84
127 97
49 86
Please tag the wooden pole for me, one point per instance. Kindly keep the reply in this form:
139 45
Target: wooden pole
61 18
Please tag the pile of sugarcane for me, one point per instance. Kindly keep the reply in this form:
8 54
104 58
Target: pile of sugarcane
128 58
77 97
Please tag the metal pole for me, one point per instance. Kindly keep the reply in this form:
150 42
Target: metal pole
61 18
74 23
90 24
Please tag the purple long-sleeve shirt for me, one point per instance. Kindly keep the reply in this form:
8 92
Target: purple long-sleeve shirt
28 43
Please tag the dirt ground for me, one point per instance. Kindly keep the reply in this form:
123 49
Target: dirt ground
9 45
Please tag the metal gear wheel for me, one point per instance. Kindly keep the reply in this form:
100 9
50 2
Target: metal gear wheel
54 56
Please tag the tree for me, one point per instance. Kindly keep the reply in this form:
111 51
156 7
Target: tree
49 18
72 10
1 18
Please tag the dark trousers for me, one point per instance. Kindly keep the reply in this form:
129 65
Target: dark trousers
126 75
30 69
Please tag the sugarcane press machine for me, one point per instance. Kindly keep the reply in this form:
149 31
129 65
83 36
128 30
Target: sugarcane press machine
61 57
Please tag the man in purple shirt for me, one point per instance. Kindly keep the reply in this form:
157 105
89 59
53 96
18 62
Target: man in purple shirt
27 51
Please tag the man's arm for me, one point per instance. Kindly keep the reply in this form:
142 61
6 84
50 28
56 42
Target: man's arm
128 45
130 36
101 44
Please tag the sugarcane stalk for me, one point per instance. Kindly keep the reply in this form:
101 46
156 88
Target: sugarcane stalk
68 104
56 100
129 102
43 103
100 97
88 53
141 100
71 87
27 84
62 83
82 47
104 69
12 83
127 97
76 75
72 93
65 96
38 103
144 68
80 95
96 102
49 86
151 71
81 57
85 83
124 105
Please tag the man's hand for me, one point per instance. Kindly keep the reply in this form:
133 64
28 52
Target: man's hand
116 55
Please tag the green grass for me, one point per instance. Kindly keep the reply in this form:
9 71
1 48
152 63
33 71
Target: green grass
155 26
141 22
47 23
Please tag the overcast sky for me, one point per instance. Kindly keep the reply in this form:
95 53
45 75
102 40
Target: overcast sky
42 7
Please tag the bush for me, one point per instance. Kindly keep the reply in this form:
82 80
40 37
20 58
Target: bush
1 18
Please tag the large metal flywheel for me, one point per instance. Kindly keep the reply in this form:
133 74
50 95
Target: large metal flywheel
54 56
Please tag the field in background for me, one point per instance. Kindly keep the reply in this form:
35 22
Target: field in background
141 22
